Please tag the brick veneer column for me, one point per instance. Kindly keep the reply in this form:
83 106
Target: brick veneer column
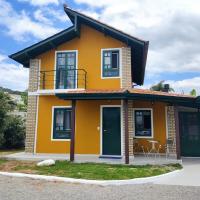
171 127
32 106
126 81
130 127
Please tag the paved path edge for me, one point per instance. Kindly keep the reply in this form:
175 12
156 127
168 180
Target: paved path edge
92 182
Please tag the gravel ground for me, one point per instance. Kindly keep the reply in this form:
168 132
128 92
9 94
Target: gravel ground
27 189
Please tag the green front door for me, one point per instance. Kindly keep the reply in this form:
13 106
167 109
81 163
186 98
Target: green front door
111 131
190 133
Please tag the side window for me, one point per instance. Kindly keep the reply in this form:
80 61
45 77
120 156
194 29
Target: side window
143 123
110 63
62 123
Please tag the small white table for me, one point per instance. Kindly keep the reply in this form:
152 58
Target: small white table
153 146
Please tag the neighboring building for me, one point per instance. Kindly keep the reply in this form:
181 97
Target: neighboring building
81 98
18 100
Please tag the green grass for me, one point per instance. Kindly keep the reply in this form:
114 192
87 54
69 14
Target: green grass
2 161
99 171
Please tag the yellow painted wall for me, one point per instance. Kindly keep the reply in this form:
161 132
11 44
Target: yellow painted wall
87 120
159 122
89 47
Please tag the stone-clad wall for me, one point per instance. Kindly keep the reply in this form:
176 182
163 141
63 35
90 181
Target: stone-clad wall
32 106
171 127
126 81
130 127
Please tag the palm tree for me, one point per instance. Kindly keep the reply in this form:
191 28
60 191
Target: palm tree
160 87
193 92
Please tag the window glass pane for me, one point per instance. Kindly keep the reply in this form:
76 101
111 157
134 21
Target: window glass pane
71 61
61 61
143 123
67 121
59 119
107 60
115 60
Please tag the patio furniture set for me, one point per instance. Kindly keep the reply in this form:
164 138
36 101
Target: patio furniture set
153 148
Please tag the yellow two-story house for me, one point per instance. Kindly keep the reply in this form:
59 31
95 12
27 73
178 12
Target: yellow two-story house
82 99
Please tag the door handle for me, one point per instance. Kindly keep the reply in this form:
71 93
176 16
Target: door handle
105 130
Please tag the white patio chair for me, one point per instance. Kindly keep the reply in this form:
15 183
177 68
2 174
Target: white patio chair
170 144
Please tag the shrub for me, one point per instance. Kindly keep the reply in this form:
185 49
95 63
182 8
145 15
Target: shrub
14 133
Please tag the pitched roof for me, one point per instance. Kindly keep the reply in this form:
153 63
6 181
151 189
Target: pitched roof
140 47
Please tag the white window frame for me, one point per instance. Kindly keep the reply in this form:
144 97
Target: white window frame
152 128
52 123
55 67
120 63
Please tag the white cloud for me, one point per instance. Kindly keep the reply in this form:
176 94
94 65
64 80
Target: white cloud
12 76
20 26
186 85
40 2
180 86
172 28
39 16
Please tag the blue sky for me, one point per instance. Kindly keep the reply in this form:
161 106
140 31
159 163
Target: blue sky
172 27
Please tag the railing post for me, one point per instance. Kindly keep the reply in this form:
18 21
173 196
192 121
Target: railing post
43 81
85 79
77 77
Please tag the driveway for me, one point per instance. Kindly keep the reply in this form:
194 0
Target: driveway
12 188
190 175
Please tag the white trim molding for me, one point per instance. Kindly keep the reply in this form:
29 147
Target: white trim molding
53 91
101 126
120 63
152 127
55 64
52 123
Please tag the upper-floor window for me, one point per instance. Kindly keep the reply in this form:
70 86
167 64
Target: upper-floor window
66 74
111 63
143 122
62 123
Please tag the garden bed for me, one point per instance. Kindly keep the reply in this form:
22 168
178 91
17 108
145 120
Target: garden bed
90 171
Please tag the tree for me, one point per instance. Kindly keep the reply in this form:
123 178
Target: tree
6 106
193 92
160 87
12 130
14 133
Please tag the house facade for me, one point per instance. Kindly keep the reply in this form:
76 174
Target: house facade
82 100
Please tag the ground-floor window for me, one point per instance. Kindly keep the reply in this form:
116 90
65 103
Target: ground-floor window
61 123
143 122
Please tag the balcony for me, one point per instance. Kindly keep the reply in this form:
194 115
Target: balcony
63 79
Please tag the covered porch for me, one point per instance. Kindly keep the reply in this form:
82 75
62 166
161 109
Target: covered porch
130 154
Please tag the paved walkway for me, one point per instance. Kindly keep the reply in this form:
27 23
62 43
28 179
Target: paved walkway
190 175
136 160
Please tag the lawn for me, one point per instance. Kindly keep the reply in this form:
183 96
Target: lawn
89 170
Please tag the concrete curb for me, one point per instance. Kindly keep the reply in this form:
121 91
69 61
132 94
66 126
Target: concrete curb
91 182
